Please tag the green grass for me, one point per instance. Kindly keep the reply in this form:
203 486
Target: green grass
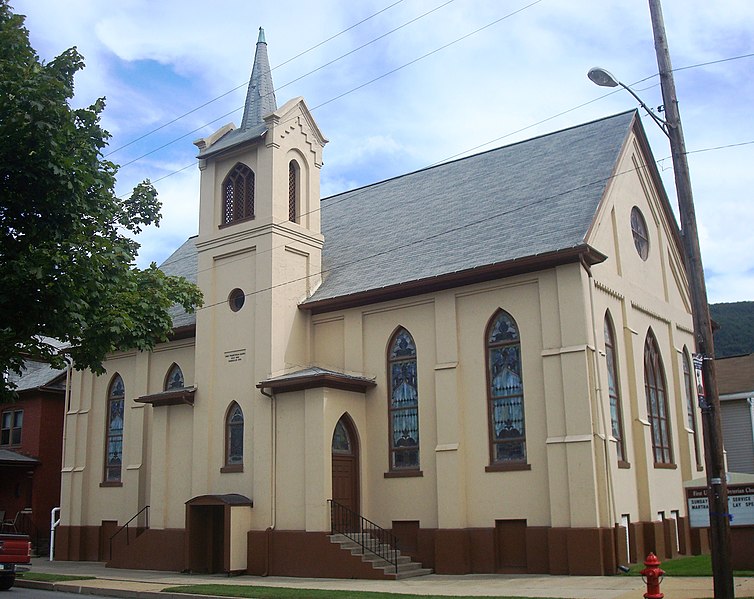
695 565
43 577
254 592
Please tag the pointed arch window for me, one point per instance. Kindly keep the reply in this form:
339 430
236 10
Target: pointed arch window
234 424
341 440
294 175
174 378
238 194
689 385
114 433
657 402
505 393
613 385
404 403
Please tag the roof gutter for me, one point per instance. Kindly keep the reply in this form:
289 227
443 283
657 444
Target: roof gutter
584 253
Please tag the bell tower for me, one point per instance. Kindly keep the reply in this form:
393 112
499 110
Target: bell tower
259 255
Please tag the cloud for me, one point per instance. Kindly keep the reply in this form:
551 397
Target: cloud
434 95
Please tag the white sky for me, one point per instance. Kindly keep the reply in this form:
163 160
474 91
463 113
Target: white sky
521 76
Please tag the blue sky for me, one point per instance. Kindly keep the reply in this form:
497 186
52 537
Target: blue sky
522 75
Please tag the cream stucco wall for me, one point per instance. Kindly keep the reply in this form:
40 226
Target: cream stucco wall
572 479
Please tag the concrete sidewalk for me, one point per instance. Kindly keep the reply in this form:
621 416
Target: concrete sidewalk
145 584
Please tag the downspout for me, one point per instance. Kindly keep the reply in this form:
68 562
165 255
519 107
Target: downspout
273 475
54 523
68 368
600 407
751 416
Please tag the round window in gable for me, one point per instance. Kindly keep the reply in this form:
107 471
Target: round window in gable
639 231
236 299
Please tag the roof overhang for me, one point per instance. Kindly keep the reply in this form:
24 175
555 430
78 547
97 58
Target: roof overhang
314 379
184 332
223 499
15 459
173 397
583 253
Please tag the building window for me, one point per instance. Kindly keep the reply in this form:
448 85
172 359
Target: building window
236 299
616 410
404 402
657 402
174 379
10 427
341 440
689 384
293 191
234 436
238 194
114 434
639 232
505 391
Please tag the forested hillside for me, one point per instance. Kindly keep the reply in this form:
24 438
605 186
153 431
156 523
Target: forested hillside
736 334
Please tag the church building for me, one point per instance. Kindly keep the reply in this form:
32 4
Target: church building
478 367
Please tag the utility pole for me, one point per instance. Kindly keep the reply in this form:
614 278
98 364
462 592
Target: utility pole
717 487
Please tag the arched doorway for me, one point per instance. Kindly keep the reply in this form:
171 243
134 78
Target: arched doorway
345 467
209 531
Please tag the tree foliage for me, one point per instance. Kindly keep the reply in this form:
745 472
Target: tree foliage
67 265
735 337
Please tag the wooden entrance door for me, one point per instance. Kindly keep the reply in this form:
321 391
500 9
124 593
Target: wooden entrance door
345 467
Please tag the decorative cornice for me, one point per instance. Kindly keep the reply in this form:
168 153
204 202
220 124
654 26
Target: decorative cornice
649 312
609 291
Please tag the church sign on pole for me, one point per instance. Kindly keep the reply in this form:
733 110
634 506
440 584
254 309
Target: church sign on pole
740 505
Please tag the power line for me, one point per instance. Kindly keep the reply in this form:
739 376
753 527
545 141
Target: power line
245 83
350 91
418 241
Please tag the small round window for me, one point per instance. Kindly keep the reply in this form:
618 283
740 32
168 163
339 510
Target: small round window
236 299
639 231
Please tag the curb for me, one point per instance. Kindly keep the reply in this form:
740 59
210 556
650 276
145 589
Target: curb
71 587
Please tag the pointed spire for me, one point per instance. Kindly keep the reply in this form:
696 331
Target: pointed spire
260 97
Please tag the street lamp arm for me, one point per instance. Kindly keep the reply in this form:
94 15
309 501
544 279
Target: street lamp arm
605 78
663 124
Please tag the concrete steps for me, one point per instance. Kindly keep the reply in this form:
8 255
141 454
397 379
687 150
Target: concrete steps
406 568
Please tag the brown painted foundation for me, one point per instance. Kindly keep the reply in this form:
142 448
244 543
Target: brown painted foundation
509 547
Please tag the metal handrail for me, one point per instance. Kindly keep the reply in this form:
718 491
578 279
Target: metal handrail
125 527
369 536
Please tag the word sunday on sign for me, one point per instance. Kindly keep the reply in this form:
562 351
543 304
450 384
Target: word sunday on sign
740 506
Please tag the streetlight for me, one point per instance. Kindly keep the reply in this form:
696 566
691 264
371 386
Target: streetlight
605 78
709 401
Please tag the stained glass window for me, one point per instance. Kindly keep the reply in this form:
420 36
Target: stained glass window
404 403
174 380
505 391
114 442
341 441
234 436
689 384
639 232
657 402
238 194
616 410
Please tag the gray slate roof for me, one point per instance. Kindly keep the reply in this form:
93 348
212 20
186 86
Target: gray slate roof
522 200
260 101
527 199
183 262
37 374
13 458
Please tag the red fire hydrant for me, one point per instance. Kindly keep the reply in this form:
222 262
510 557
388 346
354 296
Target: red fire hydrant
652 576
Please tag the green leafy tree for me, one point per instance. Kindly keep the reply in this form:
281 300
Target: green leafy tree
67 264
